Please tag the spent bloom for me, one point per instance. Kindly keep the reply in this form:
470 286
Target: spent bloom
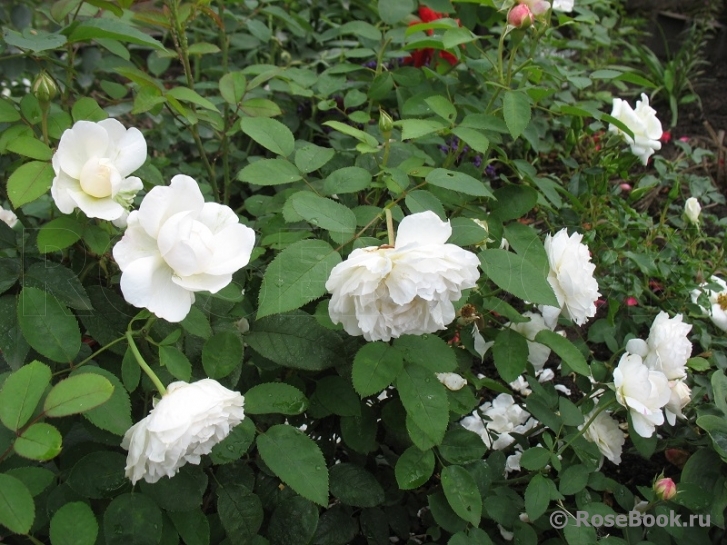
643 123
184 425
692 209
8 216
175 245
606 434
571 277
382 292
452 381
717 309
92 168
642 391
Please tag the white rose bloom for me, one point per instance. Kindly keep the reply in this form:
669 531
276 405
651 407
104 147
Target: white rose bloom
680 397
8 216
669 347
175 245
606 434
184 425
692 209
502 417
571 277
92 166
538 353
717 310
643 391
452 381
643 123
384 292
563 5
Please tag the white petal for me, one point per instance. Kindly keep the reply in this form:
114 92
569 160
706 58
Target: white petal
135 244
203 282
233 246
162 202
422 228
80 143
130 146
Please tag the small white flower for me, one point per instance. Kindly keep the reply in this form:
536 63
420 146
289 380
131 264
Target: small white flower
8 216
643 391
183 426
384 292
452 381
521 385
643 123
512 463
606 434
538 353
502 417
692 209
563 5
680 397
93 164
669 347
175 245
571 277
717 301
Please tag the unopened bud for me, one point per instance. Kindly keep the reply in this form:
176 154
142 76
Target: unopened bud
665 488
386 124
520 16
44 87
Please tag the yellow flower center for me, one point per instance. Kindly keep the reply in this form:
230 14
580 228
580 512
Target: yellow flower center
722 301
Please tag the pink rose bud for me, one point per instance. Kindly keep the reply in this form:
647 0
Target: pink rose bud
625 187
631 302
520 16
665 488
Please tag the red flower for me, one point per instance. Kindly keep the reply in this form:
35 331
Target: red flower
665 137
423 57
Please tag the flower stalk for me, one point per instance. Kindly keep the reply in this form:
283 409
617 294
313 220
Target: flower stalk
144 366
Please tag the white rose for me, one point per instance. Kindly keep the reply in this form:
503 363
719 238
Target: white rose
643 123
717 300
502 417
563 5
175 245
9 217
680 397
92 166
538 353
606 434
669 347
184 425
692 209
571 277
452 381
384 292
643 391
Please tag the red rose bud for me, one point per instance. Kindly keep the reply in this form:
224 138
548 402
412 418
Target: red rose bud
665 137
631 302
520 16
665 489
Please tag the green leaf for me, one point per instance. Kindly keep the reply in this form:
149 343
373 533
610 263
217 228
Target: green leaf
296 460
60 281
458 181
425 400
28 182
465 232
579 534
472 137
296 276
428 351
311 157
275 397
40 441
420 200
34 40
462 493
353 485
573 479
718 380
269 172
48 326
375 367
182 493
716 427
232 447
537 497
17 509
21 393
12 343
99 475
192 526
132 518
517 276
186 94
393 12
359 432
535 458
260 107
221 354
516 111
232 87
270 134
416 128
461 446
294 521
86 108
176 363
113 415
513 202
37 479
113 29
325 213
27 146
74 524
510 353
361 136
526 242
8 112
58 234
570 355
77 394
414 468
296 340
336 394
347 180
196 323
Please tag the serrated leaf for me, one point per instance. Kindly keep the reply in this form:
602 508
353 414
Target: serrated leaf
275 397
414 468
48 326
416 128
428 351
296 276
458 181
425 400
269 172
537 497
185 94
58 234
269 133
462 493
515 275
516 111
21 393
74 524
294 521
77 394
113 415
473 138
17 509
27 146
375 367
39 441
222 354
60 281
353 485
325 213
311 157
34 40
8 112
461 446
296 460
132 518
393 12
567 351
232 87
337 395
260 107
361 136
28 182
347 180
113 29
